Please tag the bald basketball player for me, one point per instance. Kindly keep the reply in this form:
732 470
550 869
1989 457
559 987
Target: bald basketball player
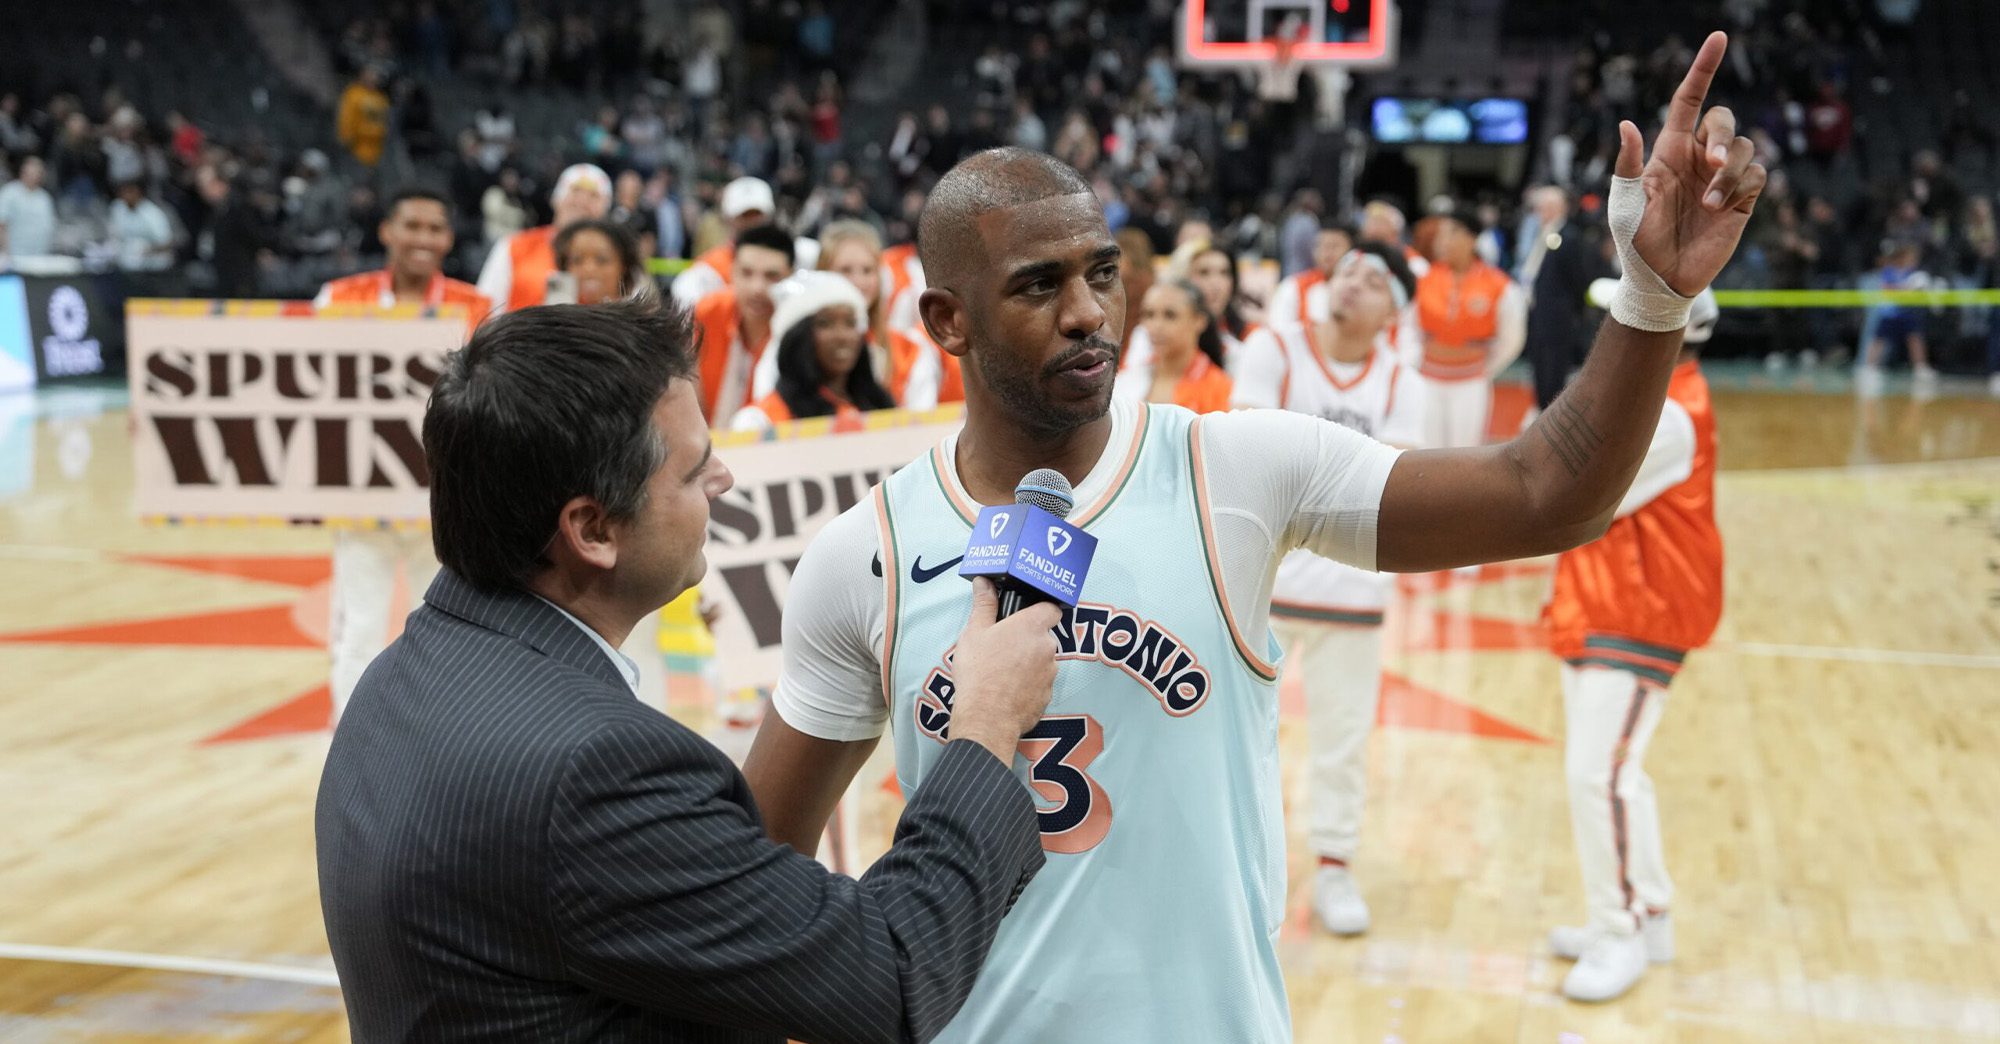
1155 768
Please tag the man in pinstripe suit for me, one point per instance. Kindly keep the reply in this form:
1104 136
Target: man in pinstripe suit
512 847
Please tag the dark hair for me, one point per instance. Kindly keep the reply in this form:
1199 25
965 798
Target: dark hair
1232 315
410 192
546 404
799 379
1210 338
770 237
1398 267
623 242
1342 227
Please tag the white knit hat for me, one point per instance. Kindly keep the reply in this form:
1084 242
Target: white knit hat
804 294
581 175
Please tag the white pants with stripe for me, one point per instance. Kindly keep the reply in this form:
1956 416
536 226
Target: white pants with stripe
1609 716
364 585
1456 412
1341 666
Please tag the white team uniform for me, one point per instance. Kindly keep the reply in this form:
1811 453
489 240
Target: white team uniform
1330 612
1155 769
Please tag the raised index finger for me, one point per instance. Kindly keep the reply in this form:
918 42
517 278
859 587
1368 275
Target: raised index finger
1685 109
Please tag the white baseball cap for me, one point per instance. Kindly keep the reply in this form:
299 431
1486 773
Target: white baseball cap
582 175
744 195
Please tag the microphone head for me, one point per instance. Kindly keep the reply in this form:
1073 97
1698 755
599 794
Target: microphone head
1046 488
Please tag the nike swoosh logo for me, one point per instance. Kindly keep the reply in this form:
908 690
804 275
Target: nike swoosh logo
876 566
918 574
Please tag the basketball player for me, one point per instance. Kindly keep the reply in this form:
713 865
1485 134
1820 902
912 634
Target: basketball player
1157 915
1340 369
1301 297
1626 610
517 269
1474 321
416 233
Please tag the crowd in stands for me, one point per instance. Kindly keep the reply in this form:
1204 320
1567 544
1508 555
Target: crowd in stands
691 98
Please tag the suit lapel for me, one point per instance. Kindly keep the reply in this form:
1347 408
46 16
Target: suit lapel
526 618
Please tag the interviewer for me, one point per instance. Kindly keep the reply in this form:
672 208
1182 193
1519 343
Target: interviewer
512 847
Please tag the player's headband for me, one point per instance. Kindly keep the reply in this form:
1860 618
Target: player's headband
1396 291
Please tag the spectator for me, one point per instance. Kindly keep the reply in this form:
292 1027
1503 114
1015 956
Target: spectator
604 263
77 163
363 122
1214 271
140 234
1897 325
1557 268
242 239
27 213
496 135
815 36
645 134
517 267
746 203
1300 232
736 320
1028 130
629 210
1790 250
820 329
753 151
17 133
1829 126
469 176
828 142
669 213
502 209
1136 271
1185 367
1828 271
601 142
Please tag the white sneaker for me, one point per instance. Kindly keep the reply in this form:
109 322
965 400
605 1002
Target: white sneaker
1338 902
1775 362
1924 374
1869 381
1993 385
1569 941
1610 965
1808 359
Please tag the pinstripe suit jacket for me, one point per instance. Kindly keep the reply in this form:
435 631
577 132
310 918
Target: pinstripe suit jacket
513 848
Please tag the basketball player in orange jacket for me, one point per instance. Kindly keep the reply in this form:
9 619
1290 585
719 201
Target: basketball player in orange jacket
417 235
517 269
1627 608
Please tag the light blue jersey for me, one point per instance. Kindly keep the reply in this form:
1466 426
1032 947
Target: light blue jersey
1155 768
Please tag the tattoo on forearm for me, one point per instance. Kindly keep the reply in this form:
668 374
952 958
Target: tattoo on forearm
1570 434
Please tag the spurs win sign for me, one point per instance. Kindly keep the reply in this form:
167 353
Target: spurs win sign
265 410
787 488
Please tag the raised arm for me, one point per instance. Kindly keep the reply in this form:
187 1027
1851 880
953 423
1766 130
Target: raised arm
1676 220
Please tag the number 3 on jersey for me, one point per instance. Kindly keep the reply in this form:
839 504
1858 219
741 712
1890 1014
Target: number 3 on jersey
1059 750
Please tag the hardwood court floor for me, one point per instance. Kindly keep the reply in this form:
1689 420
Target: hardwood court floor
1826 770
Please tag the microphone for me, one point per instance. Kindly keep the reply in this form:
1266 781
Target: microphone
1027 549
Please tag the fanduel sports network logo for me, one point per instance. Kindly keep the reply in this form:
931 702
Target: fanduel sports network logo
1053 564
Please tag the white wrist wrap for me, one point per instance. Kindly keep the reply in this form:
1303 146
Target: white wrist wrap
1643 301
